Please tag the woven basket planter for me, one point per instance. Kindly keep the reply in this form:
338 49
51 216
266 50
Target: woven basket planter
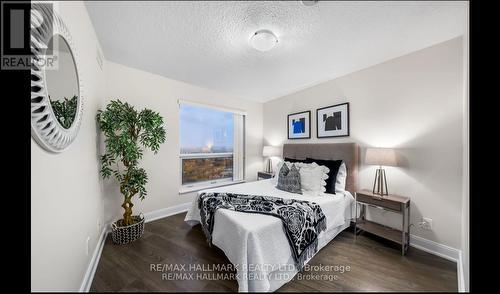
126 234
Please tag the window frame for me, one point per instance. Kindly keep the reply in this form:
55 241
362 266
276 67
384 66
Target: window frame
193 187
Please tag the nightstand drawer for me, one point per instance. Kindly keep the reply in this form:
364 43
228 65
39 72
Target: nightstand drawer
396 206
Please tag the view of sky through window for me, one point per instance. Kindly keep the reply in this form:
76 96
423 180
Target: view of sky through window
205 130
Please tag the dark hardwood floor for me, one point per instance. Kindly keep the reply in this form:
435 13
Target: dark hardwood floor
374 265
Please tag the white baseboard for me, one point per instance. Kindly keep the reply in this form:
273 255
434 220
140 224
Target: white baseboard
460 273
94 261
164 212
443 251
435 248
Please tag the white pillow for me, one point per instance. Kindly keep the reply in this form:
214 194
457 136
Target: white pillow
341 178
312 177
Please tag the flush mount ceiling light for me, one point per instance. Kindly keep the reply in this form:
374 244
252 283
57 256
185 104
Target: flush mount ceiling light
309 2
263 40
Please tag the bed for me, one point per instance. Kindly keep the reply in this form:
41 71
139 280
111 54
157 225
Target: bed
256 244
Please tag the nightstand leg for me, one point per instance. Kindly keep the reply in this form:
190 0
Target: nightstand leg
409 222
355 219
403 237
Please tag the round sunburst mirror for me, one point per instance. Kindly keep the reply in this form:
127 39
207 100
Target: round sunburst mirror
56 90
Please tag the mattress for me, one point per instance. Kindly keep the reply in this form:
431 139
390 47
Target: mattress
256 244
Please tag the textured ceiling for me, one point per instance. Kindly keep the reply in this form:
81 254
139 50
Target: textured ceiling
206 43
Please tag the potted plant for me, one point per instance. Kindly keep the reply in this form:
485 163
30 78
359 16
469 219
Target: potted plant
127 133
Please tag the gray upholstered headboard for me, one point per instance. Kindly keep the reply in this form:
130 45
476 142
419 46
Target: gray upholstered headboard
348 152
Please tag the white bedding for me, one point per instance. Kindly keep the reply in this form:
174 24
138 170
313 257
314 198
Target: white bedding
256 243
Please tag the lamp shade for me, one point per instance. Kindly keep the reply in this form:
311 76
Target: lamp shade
269 151
380 156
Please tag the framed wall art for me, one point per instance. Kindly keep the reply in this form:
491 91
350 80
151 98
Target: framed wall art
299 125
333 121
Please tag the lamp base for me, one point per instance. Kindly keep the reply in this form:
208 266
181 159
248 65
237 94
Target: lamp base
380 183
269 166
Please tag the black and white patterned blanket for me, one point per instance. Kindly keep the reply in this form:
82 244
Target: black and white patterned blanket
302 220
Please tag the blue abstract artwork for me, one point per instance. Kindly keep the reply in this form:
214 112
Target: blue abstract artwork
299 125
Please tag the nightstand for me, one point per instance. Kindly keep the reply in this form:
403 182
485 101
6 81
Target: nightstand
264 175
394 203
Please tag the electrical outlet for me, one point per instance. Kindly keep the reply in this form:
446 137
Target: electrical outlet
426 223
87 248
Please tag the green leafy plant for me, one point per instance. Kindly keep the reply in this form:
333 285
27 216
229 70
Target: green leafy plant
65 110
127 132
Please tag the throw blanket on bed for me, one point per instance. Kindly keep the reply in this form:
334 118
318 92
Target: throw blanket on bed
302 220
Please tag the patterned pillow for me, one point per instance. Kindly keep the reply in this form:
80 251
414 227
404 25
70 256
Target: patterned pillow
278 168
289 179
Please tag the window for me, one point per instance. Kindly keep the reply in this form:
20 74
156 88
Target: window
211 146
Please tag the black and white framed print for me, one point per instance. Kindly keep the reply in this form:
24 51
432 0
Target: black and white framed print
299 125
333 121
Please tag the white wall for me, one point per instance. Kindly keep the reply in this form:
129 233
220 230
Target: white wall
412 103
465 200
66 201
146 90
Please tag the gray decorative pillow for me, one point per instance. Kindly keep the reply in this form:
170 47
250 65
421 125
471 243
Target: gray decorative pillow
289 179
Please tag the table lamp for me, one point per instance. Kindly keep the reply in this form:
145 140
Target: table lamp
270 151
380 157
